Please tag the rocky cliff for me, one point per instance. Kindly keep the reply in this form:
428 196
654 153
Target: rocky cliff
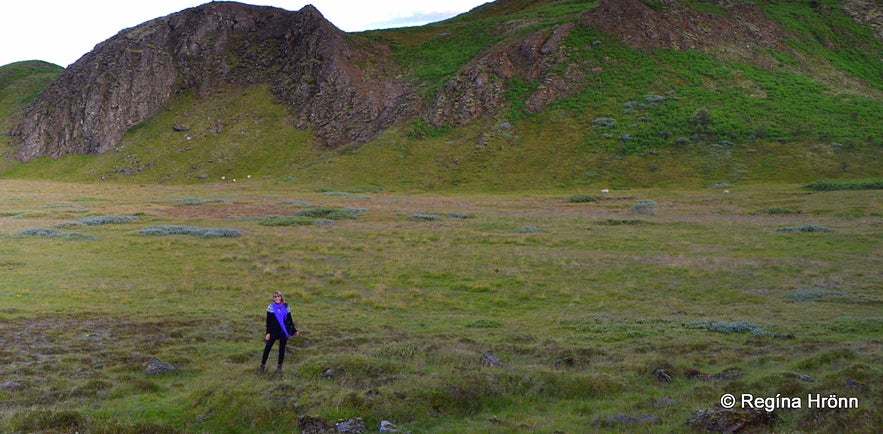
347 87
341 85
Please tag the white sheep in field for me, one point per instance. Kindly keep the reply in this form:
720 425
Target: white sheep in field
726 191
605 191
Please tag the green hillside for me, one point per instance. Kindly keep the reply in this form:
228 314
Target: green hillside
645 117
22 81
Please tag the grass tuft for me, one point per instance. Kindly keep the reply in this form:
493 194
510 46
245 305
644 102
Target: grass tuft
582 198
730 327
846 184
55 234
805 228
330 213
811 294
280 220
104 220
164 230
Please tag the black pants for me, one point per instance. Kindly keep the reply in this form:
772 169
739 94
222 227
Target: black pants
282 342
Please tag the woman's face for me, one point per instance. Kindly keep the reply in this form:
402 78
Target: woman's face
277 298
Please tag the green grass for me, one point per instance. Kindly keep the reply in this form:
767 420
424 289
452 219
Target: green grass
20 82
846 184
395 313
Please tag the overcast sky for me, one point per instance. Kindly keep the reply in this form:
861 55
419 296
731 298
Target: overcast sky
61 31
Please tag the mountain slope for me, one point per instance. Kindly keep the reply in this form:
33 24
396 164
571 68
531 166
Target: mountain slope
129 78
20 82
514 94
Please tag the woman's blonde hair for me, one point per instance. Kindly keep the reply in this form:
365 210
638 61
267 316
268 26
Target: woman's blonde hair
275 293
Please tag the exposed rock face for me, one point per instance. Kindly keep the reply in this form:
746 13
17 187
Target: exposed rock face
675 25
346 94
347 88
868 12
480 87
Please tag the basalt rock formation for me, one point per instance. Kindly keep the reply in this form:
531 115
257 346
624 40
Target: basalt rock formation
347 88
341 85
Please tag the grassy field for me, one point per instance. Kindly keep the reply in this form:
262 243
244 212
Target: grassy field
770 290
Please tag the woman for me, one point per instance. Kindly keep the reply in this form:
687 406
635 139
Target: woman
280 327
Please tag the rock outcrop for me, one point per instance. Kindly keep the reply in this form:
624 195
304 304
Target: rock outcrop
348 88
341 85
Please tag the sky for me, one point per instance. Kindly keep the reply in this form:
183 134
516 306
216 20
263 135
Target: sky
61 31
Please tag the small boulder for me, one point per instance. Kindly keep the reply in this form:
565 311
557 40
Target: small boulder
387 426
488 359
353 425
317 425
156 366
730 420
10 385
661 375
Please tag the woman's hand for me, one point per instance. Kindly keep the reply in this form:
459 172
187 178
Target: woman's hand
267 338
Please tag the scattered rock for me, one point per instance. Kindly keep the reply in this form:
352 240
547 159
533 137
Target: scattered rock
353 425
488 359
317 425
312 425
799 376
10 385
661 375
695 374
728 374
854 384
180 128
156 366
327 373
387 426
730 420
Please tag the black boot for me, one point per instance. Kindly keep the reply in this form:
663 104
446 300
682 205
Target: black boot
262 369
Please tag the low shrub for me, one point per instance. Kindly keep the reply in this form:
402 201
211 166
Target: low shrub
620 222
197 201
52 233
47 421
107 219
485 324
330 213
805 228
644 206
777 211
730 327
605 122
423 217
582 198
190 230
530 230
846 184
811 294
281 220
346 194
